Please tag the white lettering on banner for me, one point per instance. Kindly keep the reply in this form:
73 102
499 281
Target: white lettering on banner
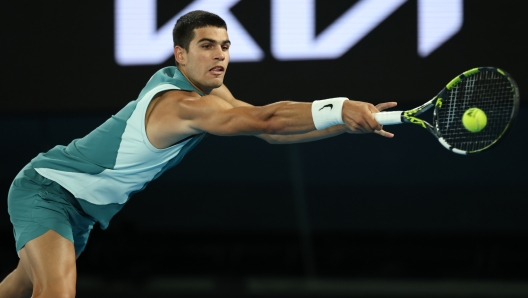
138 42
293 28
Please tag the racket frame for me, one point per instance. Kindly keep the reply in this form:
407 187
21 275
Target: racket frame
409 116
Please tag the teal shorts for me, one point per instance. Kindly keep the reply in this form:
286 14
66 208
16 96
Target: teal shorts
37 205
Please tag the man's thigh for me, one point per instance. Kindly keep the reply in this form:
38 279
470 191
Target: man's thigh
49 261
37 205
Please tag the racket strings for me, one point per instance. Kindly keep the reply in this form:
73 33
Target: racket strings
489 91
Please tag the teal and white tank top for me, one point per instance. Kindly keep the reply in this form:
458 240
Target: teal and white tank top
106 167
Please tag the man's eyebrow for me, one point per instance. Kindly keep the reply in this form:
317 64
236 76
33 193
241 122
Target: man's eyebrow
214 41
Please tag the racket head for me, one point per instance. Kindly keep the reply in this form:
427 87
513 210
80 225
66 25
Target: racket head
490 89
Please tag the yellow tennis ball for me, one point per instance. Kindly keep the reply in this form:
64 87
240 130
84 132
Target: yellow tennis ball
474 119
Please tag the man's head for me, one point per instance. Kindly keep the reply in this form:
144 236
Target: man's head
183 31
201 48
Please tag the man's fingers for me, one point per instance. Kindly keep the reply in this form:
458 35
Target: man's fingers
359 116
383 106
373 123
386 105
378 108
384 133
373 108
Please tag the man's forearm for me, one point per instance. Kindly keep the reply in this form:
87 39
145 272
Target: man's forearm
304 137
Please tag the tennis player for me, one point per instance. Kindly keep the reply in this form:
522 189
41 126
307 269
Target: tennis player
56 199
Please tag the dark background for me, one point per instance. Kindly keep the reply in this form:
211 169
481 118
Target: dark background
352 215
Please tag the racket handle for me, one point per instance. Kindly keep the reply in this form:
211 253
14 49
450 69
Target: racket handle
389 118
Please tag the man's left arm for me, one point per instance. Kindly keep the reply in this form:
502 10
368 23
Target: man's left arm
314 135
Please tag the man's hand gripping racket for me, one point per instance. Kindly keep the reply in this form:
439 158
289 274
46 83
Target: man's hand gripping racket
471 114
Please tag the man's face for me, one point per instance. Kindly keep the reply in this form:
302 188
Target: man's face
205 63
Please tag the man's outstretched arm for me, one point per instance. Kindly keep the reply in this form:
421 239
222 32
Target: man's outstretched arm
177 114
314 135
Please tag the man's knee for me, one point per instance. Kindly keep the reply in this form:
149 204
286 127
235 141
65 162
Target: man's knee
55 290
16 284
51 294
61 285
26 287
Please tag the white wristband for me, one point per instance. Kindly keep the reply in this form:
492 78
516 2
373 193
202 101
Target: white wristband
327 112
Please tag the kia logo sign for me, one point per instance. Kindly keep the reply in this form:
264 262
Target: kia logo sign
139 42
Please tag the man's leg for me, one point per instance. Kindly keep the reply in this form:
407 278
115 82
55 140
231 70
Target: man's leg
49 261
17 284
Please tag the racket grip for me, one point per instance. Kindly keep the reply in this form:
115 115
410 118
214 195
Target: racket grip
389 118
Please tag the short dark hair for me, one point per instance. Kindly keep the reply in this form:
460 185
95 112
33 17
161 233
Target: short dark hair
183 31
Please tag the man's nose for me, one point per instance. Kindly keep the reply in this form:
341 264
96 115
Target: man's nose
220 54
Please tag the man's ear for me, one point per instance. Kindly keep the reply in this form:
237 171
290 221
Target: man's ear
180 55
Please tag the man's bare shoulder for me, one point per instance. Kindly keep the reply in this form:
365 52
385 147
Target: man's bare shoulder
168 102
163 103
163 120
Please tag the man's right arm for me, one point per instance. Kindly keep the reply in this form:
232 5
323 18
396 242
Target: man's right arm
311 136
178 114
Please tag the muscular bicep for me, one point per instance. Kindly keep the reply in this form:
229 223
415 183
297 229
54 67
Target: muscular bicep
216 116
176 115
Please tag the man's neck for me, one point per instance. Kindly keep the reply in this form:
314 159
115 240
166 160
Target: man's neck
203 91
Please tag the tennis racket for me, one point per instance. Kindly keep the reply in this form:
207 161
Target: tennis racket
489 89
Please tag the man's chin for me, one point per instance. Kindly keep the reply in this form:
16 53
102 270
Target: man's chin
216 84
212 85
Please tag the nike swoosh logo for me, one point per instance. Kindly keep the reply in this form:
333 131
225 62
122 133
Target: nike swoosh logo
328 105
